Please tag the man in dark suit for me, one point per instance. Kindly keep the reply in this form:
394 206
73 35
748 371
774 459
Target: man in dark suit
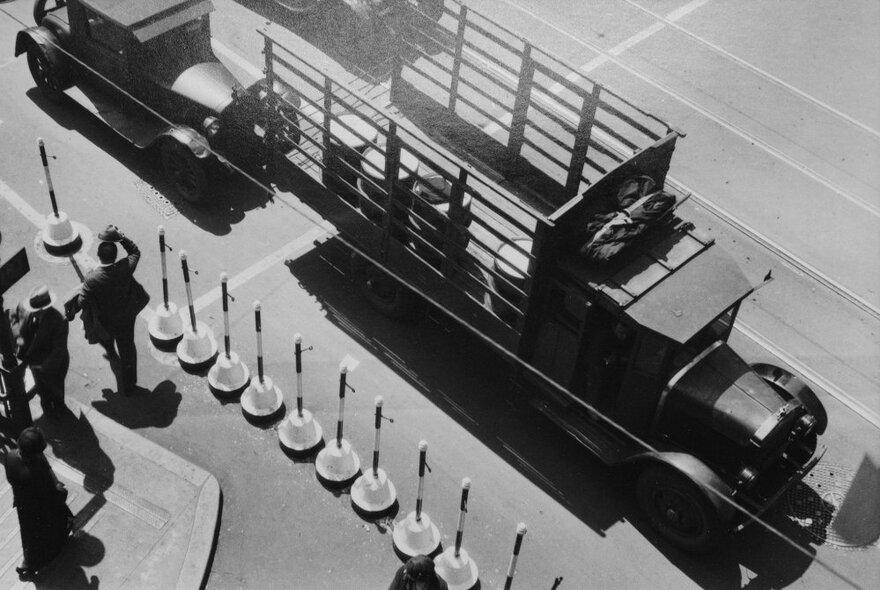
111 295
41 336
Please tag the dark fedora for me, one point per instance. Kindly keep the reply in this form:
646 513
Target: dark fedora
41 298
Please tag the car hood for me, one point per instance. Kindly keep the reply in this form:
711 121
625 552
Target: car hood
209 84
718 389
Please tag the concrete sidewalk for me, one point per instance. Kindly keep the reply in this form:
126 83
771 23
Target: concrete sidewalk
145 518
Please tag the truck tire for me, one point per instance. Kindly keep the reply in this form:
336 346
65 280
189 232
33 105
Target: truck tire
185 172
49 78
383 291
678 509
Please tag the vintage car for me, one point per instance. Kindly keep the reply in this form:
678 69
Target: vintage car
147 70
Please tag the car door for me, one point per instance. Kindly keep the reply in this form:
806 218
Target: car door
104 48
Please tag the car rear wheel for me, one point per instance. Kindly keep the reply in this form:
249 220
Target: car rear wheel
48 78
185 172
678 509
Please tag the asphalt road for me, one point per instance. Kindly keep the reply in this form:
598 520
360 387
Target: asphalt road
279 527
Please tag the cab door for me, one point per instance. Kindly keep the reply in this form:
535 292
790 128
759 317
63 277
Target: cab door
104 46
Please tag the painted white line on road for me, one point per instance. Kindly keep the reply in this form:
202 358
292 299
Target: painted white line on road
599 60
292 250
759 71
22 206
853 404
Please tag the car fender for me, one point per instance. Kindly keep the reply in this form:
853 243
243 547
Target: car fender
699 473
44 38
189 137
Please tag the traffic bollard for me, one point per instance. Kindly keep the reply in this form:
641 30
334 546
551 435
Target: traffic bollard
337 464
511 569
373 495
416 534
197 348
228 376
166 325
59 235
261 400
454 565
299 434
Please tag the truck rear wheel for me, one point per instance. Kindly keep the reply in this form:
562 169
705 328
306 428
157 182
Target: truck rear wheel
47 76
385 292
184 170
678 509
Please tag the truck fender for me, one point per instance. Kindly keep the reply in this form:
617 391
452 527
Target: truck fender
791 387
699 473
187 136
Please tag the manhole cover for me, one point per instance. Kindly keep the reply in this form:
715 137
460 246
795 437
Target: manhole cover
157 200
814 503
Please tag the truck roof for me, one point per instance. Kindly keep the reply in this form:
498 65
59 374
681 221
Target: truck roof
148 19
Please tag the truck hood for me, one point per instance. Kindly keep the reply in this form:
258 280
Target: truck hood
208 84
720 390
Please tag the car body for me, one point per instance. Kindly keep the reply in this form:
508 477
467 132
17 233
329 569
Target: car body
148 70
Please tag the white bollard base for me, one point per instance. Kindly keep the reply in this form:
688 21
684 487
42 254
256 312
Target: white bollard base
228 376
300 434
59 237
460 573
416 537
337 464
261 400
196 350
166 327
373 495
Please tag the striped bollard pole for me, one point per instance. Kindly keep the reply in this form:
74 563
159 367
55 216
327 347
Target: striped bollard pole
423 452
415 534
337 465
462 510
229 376
373 494
189 298
166 326
297 352
164 269
257 313
48 176
511 569
224 295
59 235
261 400
343 371
379 402
197 349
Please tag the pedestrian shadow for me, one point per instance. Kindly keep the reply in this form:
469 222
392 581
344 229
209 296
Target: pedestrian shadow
66 571
143 408
73 441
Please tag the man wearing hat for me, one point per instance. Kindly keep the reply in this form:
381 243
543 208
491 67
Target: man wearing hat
111 291
418 574
41 337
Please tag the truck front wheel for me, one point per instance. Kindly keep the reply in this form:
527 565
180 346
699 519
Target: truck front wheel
49 79
184 170
678 509
385 292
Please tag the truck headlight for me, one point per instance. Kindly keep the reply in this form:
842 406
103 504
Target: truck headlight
211 125
746 477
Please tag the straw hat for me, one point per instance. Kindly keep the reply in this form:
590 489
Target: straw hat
41 298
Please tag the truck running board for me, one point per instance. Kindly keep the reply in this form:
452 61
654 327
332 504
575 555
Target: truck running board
586 431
